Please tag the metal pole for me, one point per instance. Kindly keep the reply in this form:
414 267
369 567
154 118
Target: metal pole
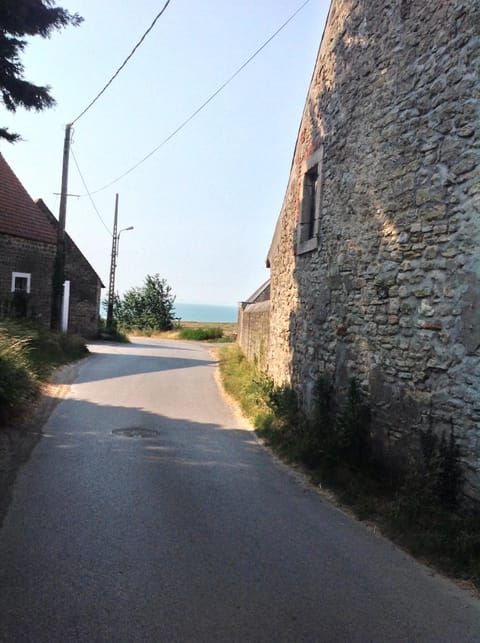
59 264
113 266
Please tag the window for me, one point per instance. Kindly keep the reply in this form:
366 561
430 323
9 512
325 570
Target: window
21 282
309 221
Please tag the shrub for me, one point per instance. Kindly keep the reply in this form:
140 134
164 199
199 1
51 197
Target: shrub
147 309
201 334
28 353
17 380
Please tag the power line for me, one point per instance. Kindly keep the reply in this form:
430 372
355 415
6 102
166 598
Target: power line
205 103
89 194
123 64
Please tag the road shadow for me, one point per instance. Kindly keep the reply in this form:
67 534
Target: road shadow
130 363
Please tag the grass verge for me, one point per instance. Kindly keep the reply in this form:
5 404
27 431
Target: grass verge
212 332
419 507
28 354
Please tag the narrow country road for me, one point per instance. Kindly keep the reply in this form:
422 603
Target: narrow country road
148 512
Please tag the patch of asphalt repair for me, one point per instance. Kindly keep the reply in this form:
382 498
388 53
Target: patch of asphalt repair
136 432
19 438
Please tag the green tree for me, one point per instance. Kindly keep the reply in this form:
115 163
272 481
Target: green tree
20 18
147 308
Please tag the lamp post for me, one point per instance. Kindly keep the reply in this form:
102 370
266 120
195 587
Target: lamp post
113 265
130 227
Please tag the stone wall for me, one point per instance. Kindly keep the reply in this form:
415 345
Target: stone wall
254 331
35 258
84 310
391 293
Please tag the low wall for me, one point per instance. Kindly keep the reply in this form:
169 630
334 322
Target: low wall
254 331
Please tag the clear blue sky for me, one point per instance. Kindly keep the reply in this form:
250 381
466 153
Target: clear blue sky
205 205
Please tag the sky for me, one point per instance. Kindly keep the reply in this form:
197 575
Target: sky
205 205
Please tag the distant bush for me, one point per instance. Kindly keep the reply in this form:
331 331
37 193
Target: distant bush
148 309
201 333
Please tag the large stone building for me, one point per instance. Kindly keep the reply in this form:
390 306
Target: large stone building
375 260
28 236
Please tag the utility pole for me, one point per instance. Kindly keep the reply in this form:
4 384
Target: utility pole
113 266
59 265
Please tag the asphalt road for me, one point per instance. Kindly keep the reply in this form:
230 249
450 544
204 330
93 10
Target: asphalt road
148 512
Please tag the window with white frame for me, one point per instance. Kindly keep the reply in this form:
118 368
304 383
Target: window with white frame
309 220
21 282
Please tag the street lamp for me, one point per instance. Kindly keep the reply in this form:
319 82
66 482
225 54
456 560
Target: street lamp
130 227
113 265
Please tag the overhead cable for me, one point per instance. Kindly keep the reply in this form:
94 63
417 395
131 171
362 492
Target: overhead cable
205 103
123 64
90 194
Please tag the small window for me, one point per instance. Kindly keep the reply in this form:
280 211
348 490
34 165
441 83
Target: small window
310 190
309 220
21 282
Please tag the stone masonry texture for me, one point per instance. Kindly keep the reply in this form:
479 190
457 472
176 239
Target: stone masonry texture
85 293
254 331
34 257
391 294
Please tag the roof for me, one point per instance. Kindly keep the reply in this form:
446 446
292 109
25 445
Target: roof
261 294
19 215
50 217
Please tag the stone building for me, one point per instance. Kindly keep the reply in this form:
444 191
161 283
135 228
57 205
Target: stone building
375 260
28 235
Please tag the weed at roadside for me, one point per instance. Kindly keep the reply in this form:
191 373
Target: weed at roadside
420 507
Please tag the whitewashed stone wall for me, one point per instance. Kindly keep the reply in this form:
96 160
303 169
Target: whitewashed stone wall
391 294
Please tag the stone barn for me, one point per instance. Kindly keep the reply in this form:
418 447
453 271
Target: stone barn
28 235
375 260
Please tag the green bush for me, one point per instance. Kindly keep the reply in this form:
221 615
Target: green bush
18 381
28 353
201 333
147 309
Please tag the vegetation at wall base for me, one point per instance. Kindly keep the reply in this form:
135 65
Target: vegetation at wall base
418 506
29 352
244 382
113 334
201 333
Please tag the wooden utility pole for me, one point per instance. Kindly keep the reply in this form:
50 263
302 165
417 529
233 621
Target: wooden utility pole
113 266
59 265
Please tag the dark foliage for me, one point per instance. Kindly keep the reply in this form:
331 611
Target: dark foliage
20 18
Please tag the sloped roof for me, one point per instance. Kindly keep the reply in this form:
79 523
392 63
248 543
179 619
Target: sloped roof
44 209
261 294
19 215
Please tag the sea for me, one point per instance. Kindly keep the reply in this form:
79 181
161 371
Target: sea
206 313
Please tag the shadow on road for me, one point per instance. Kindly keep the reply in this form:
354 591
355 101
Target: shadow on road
125 365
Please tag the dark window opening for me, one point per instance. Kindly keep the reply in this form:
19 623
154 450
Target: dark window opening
21 284
310 196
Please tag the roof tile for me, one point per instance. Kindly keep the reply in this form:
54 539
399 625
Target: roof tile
19 215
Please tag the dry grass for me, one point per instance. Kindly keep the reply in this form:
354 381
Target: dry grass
229 329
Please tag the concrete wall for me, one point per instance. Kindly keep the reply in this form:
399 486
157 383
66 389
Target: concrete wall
391 293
